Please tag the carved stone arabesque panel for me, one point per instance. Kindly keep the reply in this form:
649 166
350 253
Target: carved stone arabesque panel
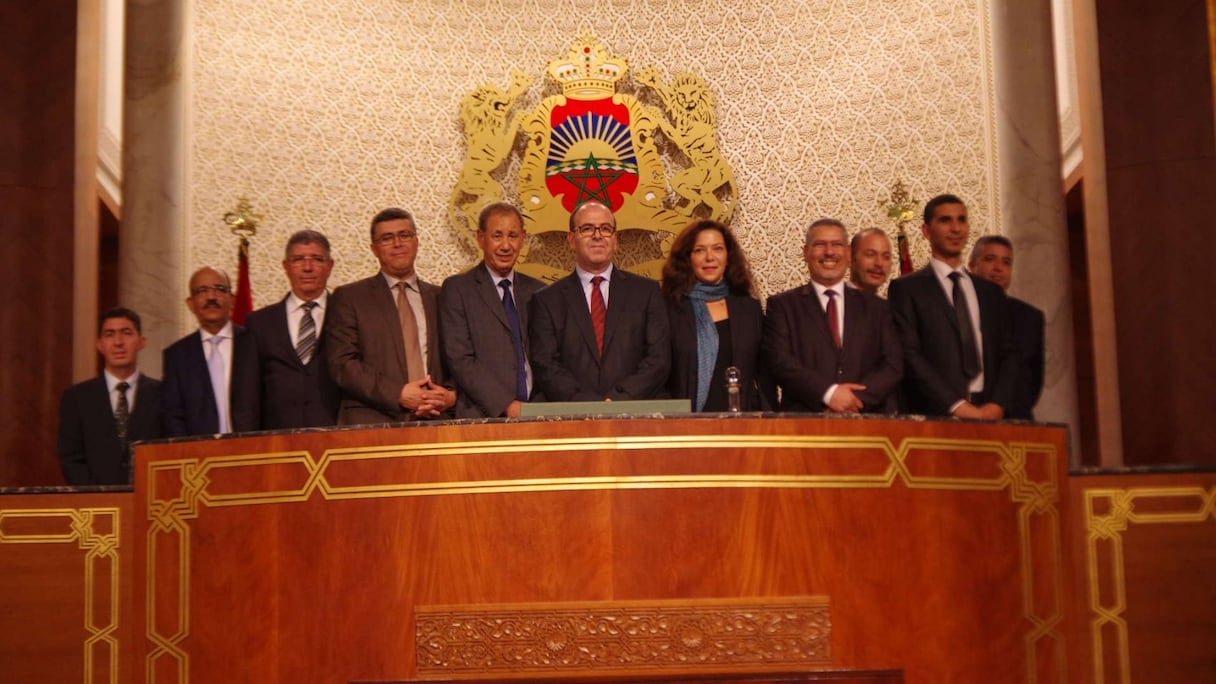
615 636
322 112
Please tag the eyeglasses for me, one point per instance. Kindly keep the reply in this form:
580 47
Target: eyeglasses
588 230
314 259
204 289
391 238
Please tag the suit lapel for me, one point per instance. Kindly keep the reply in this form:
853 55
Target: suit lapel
145 411
813 312
938 296
491 294
384 304
576 304
280 341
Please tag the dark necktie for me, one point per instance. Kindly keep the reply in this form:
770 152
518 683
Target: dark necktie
122 413
599 312
307 339
971 357
415 369
517 340
833 317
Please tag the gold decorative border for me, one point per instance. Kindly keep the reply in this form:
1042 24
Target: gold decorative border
100 549
1008 461
1193 505
622 636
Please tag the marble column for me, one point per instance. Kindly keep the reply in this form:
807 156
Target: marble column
1031 189
151 245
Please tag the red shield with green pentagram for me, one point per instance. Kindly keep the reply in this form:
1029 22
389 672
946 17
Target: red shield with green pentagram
591 155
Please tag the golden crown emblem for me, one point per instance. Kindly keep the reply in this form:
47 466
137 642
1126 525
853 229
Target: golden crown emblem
587 72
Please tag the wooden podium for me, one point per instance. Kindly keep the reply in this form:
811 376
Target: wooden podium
308 556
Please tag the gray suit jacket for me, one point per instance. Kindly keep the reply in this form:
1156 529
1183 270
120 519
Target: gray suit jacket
637 346
477 347
365 352
804 360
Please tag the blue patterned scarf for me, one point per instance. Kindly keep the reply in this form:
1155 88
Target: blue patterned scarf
707 335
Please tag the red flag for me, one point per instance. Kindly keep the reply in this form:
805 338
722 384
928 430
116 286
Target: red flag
244 291
905 254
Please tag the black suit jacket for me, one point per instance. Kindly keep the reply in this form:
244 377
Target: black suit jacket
89 449
293 395
478 351
637 348
928 328
187 399
746 325
366 354
1029 324
804 360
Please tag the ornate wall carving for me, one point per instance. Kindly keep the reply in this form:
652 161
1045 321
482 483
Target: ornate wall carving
325 112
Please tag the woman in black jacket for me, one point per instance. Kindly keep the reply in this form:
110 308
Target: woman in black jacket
716 320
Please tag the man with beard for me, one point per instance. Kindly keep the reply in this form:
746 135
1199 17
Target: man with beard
210 384
959 355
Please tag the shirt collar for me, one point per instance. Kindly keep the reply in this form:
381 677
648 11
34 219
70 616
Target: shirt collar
112 380
585 276
225 332
294 302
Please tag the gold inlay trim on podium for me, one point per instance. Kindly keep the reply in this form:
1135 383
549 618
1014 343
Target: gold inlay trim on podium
1035 497
1191 505
81 526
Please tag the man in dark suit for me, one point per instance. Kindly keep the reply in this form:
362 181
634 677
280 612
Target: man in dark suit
959 355
382 335
99 418
484 321
830 347
210 384
992 258
296 390
600 333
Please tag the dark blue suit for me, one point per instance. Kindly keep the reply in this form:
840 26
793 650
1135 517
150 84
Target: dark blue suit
89 449
187 400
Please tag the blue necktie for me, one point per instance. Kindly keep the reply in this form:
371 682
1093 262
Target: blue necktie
517 339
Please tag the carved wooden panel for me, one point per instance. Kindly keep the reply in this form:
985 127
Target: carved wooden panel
636 636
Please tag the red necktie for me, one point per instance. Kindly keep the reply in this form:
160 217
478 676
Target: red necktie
833 319
599 312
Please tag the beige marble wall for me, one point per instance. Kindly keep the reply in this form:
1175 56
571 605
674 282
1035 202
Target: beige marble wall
1032 195
151 257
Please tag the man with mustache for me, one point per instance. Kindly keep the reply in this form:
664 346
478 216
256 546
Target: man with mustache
210 384
870 250
832 348
484 315
956 333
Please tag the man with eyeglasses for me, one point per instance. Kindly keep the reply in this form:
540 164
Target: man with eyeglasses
600 333
484 314
832 348
296 389
210 383
382 335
